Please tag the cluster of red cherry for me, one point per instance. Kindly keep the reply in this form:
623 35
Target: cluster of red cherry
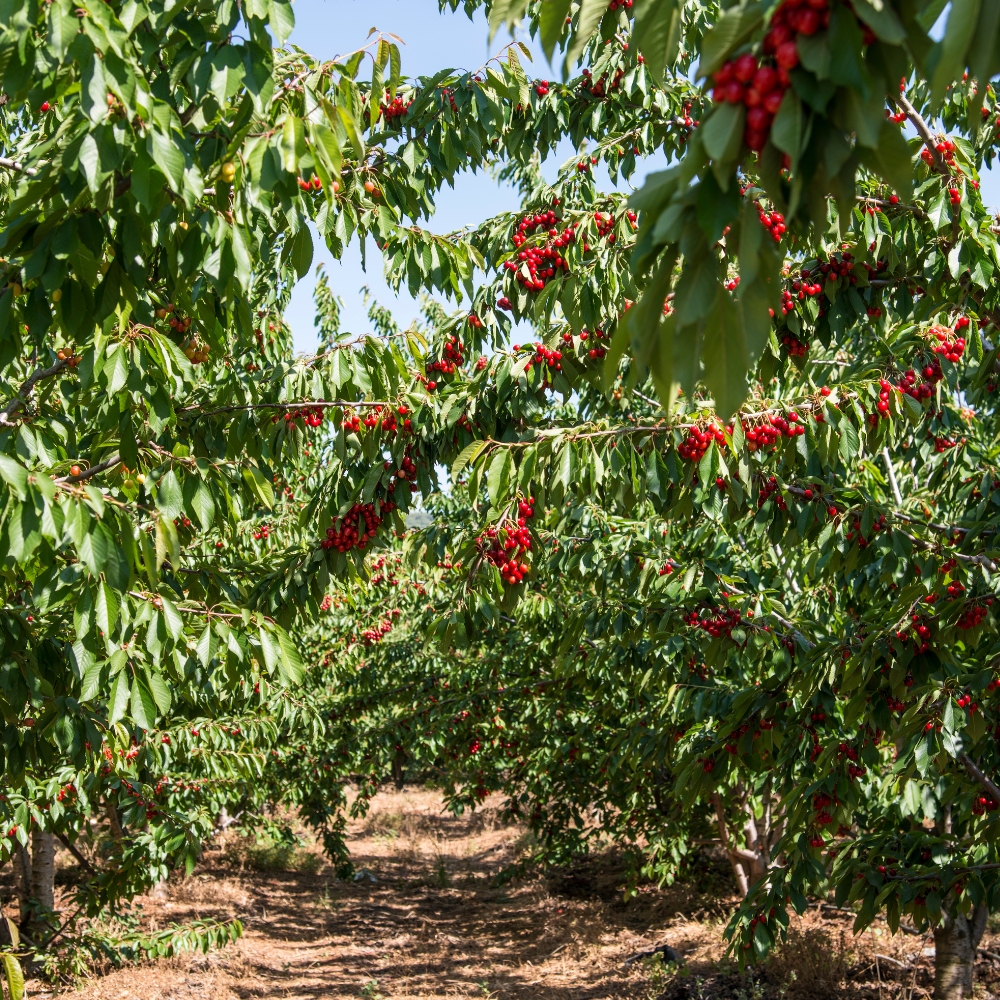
722 624
765 436
407 468
600 88
945 147
453 357
314 185
543 356
396 108
769 488
604 223
541 262
762 724
820 804
347 535
760 89
541 87
982 804
373 635
262 531
697 441
952 346
795 347
390 425
620 4
504 547
67 792
942 444
877 525
312 416
973 615
327 601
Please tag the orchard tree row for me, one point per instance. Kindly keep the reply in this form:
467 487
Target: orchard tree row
716 558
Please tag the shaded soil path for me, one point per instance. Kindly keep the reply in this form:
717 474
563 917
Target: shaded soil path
424 919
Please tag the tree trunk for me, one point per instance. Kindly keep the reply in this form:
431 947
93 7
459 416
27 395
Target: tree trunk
43 872
956 939
397 769
22 882
113 820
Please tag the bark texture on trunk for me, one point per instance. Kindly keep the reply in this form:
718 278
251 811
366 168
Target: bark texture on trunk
761 831
22 881
398 763
956 939
114 821
43 870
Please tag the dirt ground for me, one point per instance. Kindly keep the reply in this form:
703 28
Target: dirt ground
425 920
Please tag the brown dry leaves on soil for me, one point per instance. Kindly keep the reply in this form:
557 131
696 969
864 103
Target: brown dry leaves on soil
426 920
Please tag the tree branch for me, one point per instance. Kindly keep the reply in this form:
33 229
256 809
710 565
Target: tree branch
987 783
923 131
92 471
8 164
76 853
892 477
321 404
29 383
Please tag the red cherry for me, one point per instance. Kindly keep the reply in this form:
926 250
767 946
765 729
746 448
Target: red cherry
734 92
745 68
772 101
787 55
758 119
765 79
807 21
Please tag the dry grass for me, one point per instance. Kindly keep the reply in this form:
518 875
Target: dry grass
432 924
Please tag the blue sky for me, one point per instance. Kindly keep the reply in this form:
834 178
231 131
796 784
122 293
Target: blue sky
327 28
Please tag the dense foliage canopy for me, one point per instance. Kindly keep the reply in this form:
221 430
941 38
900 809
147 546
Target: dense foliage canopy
712 469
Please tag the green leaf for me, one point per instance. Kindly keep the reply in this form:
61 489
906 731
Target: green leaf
15 475
143 706
552 22
270 649
166 155
106 609
281 18
118 698
588 18
292 667
725 357
301 255
15 977
160 690
467 455
722 134
169 496
259 485
172 617
786 131
882 19
658 30
499 475
953 48
506 11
